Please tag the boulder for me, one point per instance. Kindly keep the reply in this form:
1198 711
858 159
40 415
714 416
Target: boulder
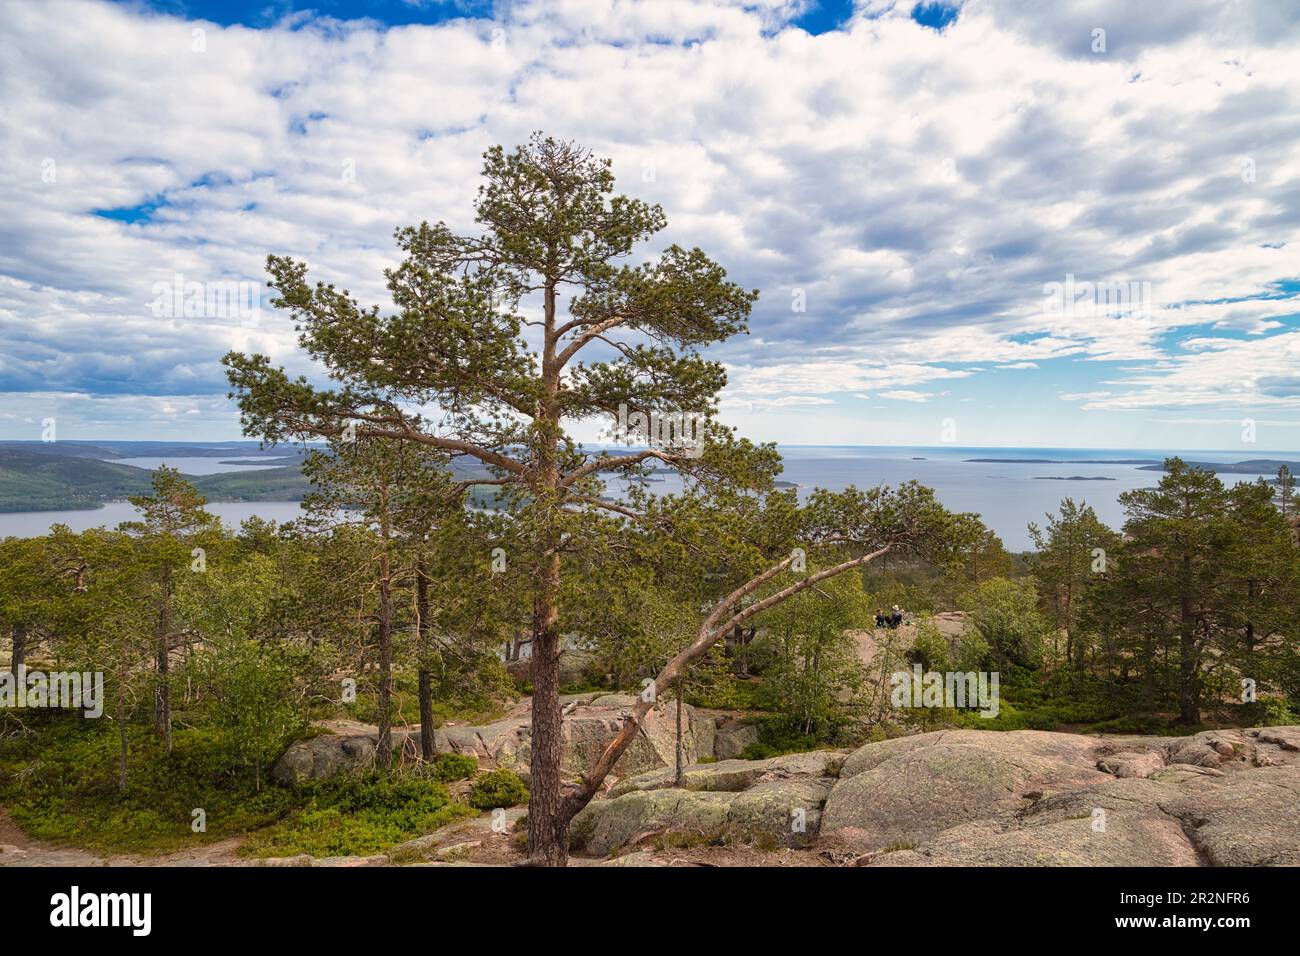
589 724
1127 764
1035 800
910 789
776 802
1136 839
605 825
733 737
575 667
328 755
736 775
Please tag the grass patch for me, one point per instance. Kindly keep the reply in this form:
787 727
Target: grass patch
60 784
359 816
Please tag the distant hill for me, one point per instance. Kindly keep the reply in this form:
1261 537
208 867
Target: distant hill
1252 466
263 484
68 476
143 449
40 481
36 481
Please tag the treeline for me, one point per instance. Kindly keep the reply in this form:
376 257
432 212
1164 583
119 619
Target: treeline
388 605
1195 604
253 633
1185 617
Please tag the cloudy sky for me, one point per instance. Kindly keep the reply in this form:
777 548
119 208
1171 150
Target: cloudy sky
921 193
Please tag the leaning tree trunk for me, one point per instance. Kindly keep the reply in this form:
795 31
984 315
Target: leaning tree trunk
719 621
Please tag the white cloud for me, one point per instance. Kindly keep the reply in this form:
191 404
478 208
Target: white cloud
919 187
903 395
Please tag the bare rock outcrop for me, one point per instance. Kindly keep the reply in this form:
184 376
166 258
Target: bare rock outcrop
1218 798
984 798
590 722
908 790
775 802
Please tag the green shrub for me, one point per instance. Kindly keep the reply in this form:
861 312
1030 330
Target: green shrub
759 751
782 735
498 788
1144 724
1270 712
449 767
360 815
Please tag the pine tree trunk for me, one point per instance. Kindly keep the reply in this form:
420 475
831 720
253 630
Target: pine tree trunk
425 677
1250 625
548 830
162 688
20 648
1189 698
121 732
384 745
426 714
548 826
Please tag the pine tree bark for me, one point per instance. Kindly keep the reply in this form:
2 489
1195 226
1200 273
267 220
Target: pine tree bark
425 678
162 685
384 745
1189 697
19 648
121 729
548 829
548 824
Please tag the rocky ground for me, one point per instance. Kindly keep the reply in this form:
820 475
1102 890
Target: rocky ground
983 798
947 798
590 721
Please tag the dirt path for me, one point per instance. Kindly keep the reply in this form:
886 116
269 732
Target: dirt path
18 849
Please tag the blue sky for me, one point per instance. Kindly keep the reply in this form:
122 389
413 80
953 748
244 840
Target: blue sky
911 186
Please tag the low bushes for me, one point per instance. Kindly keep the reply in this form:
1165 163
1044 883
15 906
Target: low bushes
359 816
498 788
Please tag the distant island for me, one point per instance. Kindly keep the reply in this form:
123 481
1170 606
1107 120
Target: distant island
1252 466
1070 461
1072 478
